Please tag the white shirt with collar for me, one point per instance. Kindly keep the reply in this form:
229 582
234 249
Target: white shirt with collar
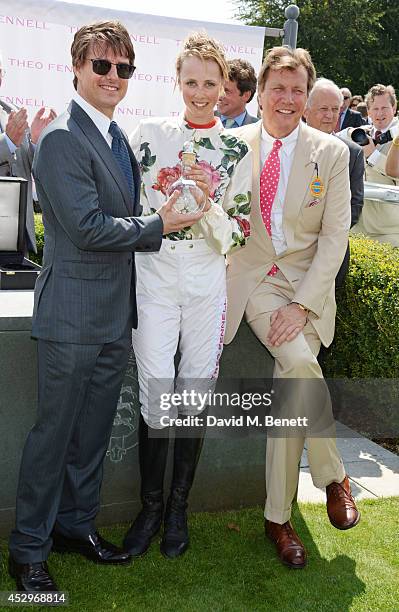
286 155
101 121
374 157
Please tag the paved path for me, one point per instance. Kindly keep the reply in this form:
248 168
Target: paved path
373 470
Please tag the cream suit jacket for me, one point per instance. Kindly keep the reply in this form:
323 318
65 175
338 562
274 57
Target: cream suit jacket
316 231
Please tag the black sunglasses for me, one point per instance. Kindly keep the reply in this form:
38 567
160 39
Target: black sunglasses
103 66
345 97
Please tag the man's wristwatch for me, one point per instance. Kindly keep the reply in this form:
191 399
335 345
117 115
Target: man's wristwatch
305 310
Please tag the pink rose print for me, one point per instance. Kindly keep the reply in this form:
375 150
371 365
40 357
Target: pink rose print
244 225
166 177
213 176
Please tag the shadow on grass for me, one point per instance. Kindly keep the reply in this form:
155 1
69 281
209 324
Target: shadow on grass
230 567
330 584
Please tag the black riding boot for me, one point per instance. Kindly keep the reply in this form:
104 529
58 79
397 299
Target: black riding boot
175 538
153 453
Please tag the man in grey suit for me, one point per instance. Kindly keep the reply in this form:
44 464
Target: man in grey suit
321 113
347 117
238 92
88 182
16 150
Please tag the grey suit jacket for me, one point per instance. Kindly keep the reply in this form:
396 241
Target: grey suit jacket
19 164
248 119
85 292
352 119
356 178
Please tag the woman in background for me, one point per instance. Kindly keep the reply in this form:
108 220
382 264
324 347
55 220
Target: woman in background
181 291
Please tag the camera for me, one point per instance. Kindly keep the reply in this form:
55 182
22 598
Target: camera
360 136
386 137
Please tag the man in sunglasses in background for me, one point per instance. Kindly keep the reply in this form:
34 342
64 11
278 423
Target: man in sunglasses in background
88 184
347 116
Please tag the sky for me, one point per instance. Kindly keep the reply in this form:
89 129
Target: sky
205 10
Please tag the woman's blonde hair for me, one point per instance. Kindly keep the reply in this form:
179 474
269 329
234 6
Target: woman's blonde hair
200 45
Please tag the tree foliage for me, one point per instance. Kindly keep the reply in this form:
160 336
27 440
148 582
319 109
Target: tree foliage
353 42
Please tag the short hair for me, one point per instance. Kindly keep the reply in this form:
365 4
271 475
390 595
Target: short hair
200 45
243 74
357 98
380 90
362 109
279 58
322 84
346 89
100 35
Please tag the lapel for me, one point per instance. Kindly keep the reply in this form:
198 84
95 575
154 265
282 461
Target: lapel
347 119
100 145
252 135
301 175
136 175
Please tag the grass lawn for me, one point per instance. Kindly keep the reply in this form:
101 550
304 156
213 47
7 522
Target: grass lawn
231 567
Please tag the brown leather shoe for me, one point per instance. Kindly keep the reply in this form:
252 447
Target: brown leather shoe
289 547
341 507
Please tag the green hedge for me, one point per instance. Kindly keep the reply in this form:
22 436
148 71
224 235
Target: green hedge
366 342
39 229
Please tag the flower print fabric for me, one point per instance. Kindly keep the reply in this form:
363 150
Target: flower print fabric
166 177
227 160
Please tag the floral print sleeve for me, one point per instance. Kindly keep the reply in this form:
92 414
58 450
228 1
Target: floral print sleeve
226 224
158 144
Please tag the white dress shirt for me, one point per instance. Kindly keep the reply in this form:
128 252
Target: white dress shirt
374 157
286 155
101 121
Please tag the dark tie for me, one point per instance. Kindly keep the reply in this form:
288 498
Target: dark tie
377 136
119 149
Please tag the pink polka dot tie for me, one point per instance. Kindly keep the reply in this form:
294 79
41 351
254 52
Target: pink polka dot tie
269 178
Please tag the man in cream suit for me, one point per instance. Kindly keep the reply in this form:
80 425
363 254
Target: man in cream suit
16 150
284 281
380 220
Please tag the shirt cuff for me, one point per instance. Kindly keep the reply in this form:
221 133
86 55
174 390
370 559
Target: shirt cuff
373 158
214 211
10 145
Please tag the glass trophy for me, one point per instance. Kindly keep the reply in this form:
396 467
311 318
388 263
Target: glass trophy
191 198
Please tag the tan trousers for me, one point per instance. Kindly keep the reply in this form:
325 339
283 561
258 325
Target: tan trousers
296 359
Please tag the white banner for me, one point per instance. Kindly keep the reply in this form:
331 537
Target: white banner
35 41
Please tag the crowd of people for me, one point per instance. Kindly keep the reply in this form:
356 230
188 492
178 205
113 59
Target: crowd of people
269 242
